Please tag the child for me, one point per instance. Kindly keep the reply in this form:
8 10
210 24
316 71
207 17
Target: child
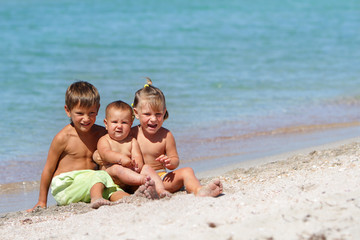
69 167
120 152
158 146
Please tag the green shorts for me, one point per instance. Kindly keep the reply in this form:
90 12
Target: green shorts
74 186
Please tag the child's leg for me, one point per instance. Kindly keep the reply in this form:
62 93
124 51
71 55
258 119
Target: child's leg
175 180
213 189
146 190
97 199
118 195
122 175
186 177
160 188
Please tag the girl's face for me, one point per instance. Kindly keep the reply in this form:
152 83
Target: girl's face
118 124
150 119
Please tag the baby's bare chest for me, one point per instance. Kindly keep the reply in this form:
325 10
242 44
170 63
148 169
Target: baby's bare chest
124 148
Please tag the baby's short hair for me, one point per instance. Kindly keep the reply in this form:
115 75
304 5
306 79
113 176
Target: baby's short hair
82 93
119 105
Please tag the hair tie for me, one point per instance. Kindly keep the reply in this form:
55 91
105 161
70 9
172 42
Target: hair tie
149 82
132 105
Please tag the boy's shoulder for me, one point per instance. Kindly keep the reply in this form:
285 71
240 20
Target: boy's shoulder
63 136
66 132
97 132
70 131
99 129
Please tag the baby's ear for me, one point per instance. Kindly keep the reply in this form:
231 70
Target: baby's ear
105 123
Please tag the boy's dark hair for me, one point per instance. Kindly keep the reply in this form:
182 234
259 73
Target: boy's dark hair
121 106
82 93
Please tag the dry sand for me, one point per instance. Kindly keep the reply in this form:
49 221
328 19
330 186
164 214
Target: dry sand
312 195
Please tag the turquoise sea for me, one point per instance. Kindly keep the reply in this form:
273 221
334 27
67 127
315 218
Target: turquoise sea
238 75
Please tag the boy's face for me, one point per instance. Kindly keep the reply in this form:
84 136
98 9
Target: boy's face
118 123
150 119
83 118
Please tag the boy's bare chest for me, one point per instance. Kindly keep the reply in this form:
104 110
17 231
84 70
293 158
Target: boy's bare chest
81 148
76 157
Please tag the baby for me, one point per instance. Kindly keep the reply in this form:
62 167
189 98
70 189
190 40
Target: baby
119 153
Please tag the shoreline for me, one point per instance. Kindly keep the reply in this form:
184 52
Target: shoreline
309 194
257 162
25 194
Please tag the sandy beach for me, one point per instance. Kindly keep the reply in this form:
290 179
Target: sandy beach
310 194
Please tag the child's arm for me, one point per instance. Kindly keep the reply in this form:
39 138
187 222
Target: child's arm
109 156
136 154
56 149
170 159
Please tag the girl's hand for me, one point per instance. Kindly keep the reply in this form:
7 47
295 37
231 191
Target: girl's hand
164 160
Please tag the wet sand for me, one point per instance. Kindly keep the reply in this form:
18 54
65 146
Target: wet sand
308 194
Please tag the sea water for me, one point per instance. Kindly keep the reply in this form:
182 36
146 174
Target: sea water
230 70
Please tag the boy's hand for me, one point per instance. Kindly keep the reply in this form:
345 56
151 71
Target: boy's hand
39 204
164 160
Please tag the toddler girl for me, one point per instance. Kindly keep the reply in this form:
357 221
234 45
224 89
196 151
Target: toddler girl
158 145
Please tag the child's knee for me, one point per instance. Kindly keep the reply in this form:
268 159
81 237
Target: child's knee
116 169
188 171
147 169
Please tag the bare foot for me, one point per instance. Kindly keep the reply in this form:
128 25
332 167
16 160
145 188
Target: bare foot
165 193
147 190
145 178
99 202
213 189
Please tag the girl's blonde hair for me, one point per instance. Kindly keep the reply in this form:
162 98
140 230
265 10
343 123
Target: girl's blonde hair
152 95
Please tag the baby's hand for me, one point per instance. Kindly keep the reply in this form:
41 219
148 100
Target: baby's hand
136 167
164 160
126 162
97 158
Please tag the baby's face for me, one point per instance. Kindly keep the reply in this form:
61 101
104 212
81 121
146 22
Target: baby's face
118 124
